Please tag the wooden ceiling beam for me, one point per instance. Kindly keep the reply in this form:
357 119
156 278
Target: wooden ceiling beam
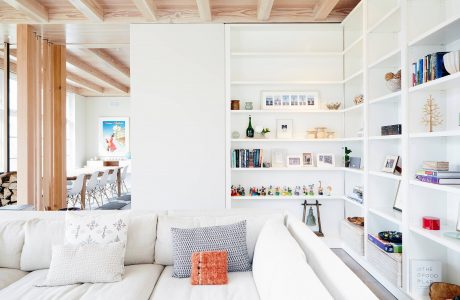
31 8
204 8
90 9
73 89
85 83
264 9
111 61
78 63
324 8
147 8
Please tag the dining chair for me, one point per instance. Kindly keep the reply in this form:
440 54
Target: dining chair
74 191
124 175
101 186
112 183
91 189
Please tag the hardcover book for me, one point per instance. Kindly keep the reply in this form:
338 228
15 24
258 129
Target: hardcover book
384 245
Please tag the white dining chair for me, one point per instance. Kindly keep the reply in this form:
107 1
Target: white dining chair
124 175
101 186
91 189
112 183
74 191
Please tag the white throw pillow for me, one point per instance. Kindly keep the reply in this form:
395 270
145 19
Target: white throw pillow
94 228
92 263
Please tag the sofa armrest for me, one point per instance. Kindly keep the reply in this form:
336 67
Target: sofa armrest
340 281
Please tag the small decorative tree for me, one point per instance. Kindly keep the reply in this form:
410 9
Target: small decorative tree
432 115
347 157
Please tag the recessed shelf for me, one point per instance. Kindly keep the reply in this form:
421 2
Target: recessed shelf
353 202
261 111
388 214
355 171
353 76
312 169
385 137
352 45
286 54
297 140
444 33
352 139
385 18
356 107
392 59
447 133
396 96
302 197
263 82
438 236
443 83
455 189
385 175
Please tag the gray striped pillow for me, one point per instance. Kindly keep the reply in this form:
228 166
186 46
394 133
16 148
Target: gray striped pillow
230 238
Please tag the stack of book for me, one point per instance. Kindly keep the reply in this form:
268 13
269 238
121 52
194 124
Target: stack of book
429 68
245 158
384 245
437 172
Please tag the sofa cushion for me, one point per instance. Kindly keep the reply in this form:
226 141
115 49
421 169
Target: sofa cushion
163 244
138 282
8 276
142 232
280 268
11 242
240 287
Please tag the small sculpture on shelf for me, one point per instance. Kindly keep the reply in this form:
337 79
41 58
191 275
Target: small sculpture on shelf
432 115
270 191
329 190
359 99
311 191
393 81
237 191
333 105
277 191
263 191
347 156
320 189
297 191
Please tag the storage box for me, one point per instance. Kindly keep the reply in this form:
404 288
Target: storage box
353 236
387 264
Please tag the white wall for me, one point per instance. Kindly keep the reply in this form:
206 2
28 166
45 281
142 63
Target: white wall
178 116
80 131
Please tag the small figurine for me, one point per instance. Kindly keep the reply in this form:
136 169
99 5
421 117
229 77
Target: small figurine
329 190
270 191
297 191
305 190
289 191
240 191
311 192
233 191
277 191
320 189
263 191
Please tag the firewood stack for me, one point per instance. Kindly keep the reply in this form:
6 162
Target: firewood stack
8 188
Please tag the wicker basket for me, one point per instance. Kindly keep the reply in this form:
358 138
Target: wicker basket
394 84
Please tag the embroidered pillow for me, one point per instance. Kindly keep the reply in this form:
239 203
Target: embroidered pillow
230 238
82 228
92 263
209 268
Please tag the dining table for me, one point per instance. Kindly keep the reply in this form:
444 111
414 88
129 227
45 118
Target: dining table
72 175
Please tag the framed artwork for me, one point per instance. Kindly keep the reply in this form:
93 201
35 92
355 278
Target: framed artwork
355 162
307 159
113 136
278 158
397 205
390 163
284 129
293 161
325 160
290 100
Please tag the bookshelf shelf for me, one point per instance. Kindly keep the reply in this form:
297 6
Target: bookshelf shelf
455 189
388 214
396 96
276 112
443 83
355 171
437 236
442 34
356 75
353 45
385 175
391 14
295 140
449 133
353 202
389 60
287 198
285 54
385 137
312 169
263 82
353 108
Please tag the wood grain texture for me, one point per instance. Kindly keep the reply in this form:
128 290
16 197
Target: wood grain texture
147 8
89 8
6 109
324 8
264 8
204 8
31 8
111 61
85 83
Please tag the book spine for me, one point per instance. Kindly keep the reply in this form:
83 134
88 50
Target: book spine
420 71
387 247
427 179
414 74
439 174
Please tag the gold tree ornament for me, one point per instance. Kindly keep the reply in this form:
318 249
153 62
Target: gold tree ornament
432 115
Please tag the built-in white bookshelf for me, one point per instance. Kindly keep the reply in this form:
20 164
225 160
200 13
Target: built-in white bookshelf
342 61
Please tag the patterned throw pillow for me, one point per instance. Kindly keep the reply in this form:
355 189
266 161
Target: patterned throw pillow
230 238
209 268
83 229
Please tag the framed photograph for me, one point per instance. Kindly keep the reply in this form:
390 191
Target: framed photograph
293 161
390 163
355 162
113 136
290 100
284 129
307 160
278 158
325 160
397 205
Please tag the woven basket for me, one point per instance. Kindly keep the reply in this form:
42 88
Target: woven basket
394 84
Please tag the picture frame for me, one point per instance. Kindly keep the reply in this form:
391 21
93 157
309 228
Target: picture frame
398 203
422 273
290 100
284 128
390 163
293 161
307 160
278 158
355 162
325 160
113 136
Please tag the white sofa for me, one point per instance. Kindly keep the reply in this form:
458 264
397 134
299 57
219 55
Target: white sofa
289 261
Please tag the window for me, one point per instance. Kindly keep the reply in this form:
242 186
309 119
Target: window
70 131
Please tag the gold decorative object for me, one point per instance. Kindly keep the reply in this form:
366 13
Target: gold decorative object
333 106
331 135
432 116
393 81
359 99
321 132
311 133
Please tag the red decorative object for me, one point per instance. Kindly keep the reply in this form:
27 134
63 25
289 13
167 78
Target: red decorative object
209 268
431 223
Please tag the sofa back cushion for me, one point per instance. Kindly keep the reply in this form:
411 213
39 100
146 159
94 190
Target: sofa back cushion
163 245
42 234
11 242
280 267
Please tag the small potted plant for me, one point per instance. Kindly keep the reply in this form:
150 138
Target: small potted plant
347 157
266 133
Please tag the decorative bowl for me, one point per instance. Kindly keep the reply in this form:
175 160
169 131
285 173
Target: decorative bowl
333 106
394 84
452 61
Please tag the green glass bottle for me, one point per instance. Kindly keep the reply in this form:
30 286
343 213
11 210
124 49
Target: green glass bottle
250 130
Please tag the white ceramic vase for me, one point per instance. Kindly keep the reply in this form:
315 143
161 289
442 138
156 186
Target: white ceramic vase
452 61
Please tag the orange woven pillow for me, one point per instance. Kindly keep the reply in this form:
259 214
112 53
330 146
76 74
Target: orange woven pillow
209 268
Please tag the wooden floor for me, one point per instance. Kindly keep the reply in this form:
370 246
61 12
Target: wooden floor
379 290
